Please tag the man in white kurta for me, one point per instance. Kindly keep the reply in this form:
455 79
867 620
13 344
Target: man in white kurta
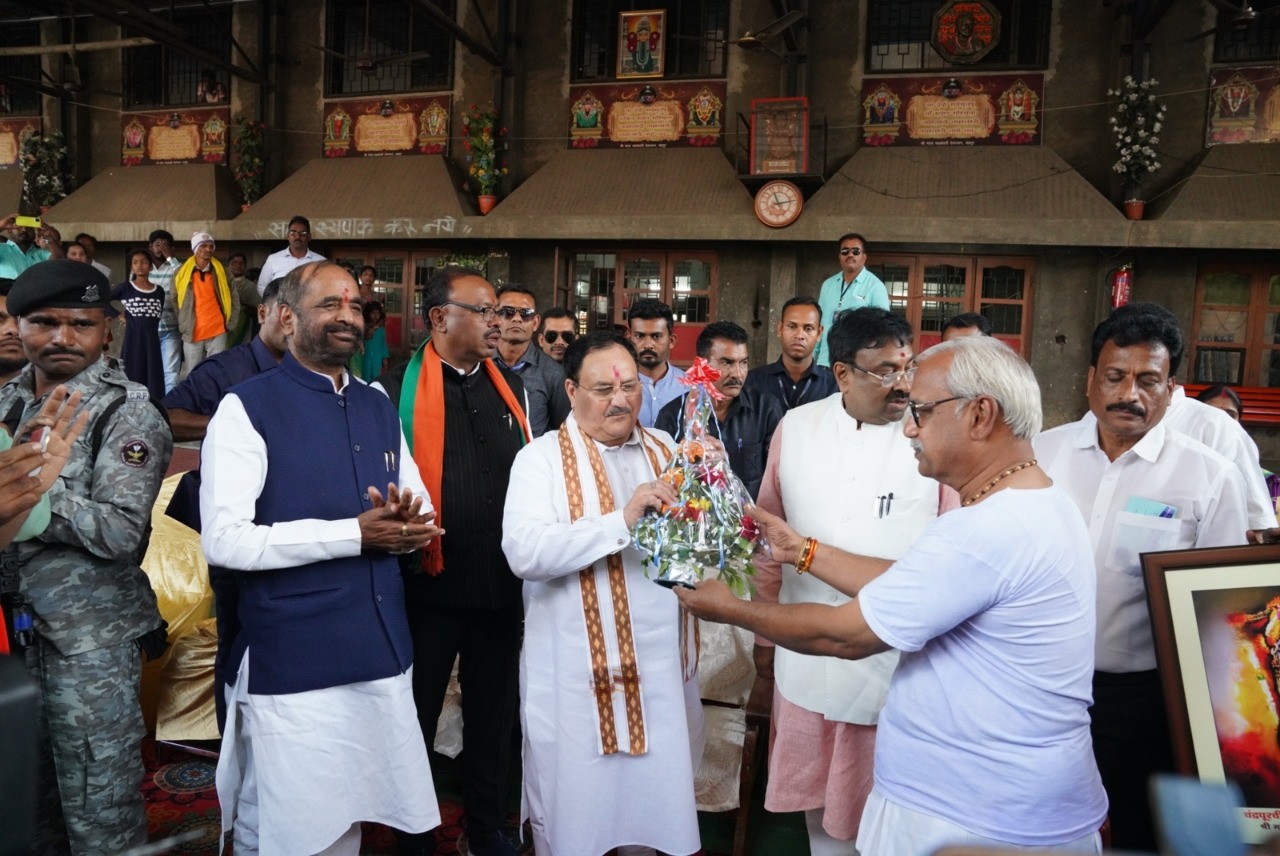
321 729
611 717
844 467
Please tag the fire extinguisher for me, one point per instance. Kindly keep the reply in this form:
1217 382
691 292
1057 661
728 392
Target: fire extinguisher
1121 284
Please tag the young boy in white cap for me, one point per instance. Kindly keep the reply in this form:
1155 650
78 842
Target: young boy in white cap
206 303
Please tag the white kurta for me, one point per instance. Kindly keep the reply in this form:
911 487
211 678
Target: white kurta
322 760
580 802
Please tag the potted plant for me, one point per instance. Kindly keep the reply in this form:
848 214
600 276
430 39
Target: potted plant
1136 126
249 146
45 180
480 134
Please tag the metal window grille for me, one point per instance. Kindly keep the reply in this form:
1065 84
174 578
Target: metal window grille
1258 42
391 29
159 76
898 36
16 99
697 31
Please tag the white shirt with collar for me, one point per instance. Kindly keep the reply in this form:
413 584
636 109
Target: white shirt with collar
1120 502
279 264
1228 438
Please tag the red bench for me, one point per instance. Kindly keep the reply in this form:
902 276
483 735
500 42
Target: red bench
1261 403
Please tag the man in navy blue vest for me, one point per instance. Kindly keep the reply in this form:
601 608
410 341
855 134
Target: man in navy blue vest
321 730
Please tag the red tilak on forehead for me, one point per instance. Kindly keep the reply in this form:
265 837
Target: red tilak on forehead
346 295
902 355
617 375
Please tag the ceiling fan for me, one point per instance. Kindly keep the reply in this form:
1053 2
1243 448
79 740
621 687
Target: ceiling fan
365 62
754 40
1234 18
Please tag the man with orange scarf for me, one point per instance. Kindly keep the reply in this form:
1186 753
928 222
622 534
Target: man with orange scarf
465 420
206 303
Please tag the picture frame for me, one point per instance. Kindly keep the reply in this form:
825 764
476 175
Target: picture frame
1210 610
779 136
642 44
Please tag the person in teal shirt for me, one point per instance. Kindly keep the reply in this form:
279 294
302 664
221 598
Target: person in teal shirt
852 288
374 359
20 246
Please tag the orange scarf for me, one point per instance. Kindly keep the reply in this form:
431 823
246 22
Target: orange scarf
425 384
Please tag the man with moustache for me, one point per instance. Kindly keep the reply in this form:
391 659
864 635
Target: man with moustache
852 288
796 378
611 718
298 253
870 499
744 418
542 377
321 694
557 332
652 328
21 247
983 741
464 417
12 357
1142 487
92 606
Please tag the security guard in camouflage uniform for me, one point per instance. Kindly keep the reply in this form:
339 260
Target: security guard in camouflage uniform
91 606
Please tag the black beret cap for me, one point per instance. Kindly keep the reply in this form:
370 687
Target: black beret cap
59 284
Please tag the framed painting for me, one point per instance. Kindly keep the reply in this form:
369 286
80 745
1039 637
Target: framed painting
1215 617
641 50
779 136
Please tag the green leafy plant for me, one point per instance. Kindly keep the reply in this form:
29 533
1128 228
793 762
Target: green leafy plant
45 179
249 146
480 133
1136 126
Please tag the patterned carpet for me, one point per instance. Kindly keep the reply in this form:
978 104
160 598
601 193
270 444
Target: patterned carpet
181 802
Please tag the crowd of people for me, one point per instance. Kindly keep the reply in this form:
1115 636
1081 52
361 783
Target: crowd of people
951 631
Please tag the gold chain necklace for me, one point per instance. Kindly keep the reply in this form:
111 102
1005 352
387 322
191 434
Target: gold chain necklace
1013 469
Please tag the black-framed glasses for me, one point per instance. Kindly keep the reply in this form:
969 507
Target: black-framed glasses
506 313
552 335
918 407
887 380
851 251
488 313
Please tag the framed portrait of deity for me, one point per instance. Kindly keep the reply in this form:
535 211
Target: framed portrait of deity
779 136
641 43
1215 618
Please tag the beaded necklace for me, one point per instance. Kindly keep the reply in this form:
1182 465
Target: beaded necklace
1013 469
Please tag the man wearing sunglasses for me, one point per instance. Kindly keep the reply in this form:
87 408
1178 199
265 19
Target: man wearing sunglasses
852 288
298 253
542 376
557 332
870 499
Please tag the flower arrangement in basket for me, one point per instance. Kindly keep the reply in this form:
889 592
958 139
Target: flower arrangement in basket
480 140
1136 125
249 145
707 531
45 180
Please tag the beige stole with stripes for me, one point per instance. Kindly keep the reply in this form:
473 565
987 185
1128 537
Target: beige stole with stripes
613 667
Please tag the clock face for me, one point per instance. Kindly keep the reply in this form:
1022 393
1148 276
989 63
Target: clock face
778 204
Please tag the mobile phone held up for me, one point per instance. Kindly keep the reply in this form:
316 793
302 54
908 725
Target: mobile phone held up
27 222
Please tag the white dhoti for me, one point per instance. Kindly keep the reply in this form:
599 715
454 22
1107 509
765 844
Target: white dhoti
297 771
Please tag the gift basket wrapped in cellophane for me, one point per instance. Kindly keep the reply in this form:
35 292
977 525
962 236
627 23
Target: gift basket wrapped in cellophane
707 532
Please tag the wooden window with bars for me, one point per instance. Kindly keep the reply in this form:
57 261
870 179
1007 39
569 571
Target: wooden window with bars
1235 331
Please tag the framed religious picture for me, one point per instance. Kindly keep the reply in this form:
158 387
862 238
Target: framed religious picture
964 31
640 43
779 136
1215 618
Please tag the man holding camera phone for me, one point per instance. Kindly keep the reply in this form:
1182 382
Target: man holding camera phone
24 241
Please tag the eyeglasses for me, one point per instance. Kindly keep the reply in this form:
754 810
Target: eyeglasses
851 251
488 313
887 380
552 335
506 313
294 233
918 407
606 393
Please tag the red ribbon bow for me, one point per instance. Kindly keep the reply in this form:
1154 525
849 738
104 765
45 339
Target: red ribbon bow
702 374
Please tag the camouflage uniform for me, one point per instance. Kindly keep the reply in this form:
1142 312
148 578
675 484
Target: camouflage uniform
91 601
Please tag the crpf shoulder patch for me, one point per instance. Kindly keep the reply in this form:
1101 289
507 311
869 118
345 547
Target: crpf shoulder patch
135 454
138 395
